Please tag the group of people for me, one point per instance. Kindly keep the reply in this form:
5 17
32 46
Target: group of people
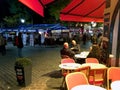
29 39
70 51
21 40
19 44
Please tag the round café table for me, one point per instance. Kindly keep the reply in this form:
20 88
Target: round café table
115 85
87 87
94 65
70 66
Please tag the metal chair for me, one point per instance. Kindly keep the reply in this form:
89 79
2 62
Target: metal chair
113 74
74 79
67 60
98 76
85 70
91 60
64 71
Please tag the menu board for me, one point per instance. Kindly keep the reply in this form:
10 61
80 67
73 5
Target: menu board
20 75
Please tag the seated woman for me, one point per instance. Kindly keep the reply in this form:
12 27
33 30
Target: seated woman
75 47
66 52
95 52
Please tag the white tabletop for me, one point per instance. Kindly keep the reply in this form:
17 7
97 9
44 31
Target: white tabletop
94 65
69 66
115 85
83 54
87 87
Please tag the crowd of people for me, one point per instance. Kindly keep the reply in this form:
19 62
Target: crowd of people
98 49
29 39
70 48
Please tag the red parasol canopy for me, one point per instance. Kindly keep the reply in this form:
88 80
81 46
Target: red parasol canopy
36 5
83 11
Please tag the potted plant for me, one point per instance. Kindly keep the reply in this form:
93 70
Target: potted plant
23 69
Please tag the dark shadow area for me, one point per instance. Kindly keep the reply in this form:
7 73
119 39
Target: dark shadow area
55 81
54 74
54 84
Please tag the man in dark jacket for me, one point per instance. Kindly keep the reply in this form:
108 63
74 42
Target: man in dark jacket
75 47
66 52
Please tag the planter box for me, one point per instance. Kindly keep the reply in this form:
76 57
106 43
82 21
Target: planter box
23 74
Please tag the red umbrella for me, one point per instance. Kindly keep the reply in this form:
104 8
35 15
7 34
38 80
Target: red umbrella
83 11
36 5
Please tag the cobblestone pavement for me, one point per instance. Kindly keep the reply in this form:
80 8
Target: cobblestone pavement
46 74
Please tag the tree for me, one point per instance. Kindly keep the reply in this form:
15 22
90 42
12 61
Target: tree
56 7
17 11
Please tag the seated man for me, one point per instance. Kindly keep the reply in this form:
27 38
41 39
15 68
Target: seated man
66 52
75 47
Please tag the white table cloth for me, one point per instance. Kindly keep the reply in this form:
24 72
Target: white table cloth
83 54
115 85
87 87
94 65
70 66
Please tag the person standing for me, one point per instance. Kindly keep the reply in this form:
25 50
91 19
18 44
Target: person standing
84 38
24 39
31 39
39 39
20 45
2 45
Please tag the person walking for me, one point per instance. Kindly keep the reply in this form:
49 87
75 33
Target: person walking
19 44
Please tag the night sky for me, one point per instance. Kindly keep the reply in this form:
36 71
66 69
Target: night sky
4 8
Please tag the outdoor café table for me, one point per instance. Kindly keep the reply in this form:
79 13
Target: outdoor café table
87 87
70 66
115 85
81 57
94 65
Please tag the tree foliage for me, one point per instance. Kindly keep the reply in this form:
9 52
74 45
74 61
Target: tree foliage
55 8
17 11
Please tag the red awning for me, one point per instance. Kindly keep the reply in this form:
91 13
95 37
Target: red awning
36 5
83 11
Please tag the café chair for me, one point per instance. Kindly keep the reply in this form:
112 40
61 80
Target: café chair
67 60
76 78
64 71
113 74
64 56
98 76
85 70
91 60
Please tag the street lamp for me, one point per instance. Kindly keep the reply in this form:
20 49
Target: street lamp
22 23
22 20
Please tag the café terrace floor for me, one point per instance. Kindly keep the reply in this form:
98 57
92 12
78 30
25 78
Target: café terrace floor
46 73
